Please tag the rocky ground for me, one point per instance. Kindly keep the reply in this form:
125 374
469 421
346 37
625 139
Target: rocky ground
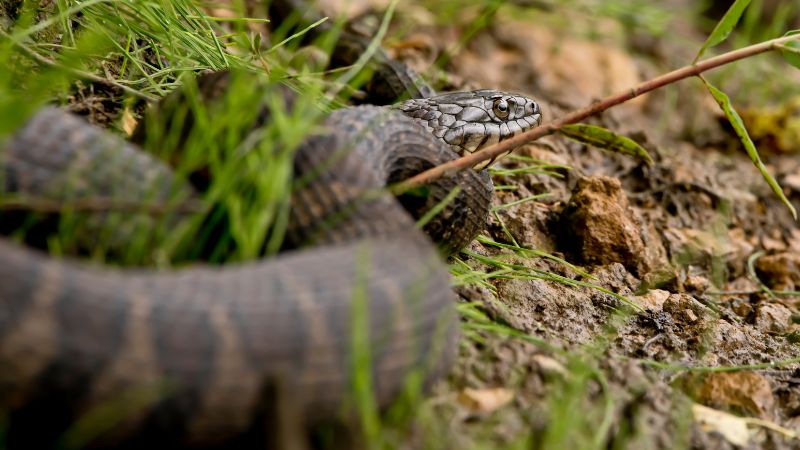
696 241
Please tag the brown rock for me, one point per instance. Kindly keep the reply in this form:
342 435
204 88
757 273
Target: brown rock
689 315
742 309
599 225
528 223
653 300
684 308
690 246
696 283
773 317
780 271
745 390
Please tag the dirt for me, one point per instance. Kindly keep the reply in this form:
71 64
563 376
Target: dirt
674 238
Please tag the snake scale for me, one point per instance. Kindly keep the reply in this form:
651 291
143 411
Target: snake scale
209 356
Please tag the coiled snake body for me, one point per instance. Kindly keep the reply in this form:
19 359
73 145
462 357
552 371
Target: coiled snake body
203 356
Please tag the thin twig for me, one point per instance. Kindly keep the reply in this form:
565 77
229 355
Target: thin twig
470 160
77 72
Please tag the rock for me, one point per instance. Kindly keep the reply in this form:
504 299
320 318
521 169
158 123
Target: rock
696 284
599 227
794 240
773 317
653 300
528 223
780 271
689 316
743 391
684 308
708 249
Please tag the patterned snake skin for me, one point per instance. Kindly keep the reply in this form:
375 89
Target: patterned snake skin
470 121
204 356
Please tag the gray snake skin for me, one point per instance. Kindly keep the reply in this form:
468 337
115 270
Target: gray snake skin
198 357
471 121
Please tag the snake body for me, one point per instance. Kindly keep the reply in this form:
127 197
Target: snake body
225 356
195 350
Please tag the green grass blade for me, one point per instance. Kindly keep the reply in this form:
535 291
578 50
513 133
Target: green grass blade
533 253
707 369
373 46
521 201
738 125
439 207
724 26
297 35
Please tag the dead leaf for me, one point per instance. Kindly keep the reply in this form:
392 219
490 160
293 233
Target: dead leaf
485 400
736 430
550 366
732 428
128 121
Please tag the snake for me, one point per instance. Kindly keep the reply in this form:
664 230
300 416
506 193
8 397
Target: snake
243 354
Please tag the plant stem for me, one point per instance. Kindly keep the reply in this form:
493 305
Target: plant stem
470 160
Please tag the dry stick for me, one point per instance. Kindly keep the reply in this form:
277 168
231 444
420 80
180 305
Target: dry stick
465 162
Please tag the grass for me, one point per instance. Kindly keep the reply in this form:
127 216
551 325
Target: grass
154 45
145 49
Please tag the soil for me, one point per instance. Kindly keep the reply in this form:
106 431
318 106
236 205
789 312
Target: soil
674 237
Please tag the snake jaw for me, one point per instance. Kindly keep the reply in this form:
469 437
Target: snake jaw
472 120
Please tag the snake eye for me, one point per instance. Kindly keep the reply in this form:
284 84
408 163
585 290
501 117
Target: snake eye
500 108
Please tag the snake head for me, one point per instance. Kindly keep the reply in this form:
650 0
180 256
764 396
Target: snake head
472 120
